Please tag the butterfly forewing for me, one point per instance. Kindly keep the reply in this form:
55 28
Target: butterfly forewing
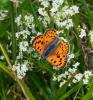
39 44
50 35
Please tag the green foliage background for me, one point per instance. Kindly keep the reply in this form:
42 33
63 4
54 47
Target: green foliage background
38 86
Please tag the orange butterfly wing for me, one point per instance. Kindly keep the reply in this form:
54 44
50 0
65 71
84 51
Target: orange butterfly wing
39 44
50 35
42 41
59 57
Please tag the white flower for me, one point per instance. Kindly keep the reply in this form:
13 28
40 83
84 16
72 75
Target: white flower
87 74
85 81
32 38
30 49
1 57
70 11
63 75
23 46
20 69
69 76
39 33
54 7
47 19
66 73
75 9
61 31
69 84
76 64
54 78
45 3
55 68
18 20
58 2
42 12
20 55
3 14
23 33
72 70
70 56
59 77
44 18
67 23
78 77
29 22
62 83
74 81
82 33
53 10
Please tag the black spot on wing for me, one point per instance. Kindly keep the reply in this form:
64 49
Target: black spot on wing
51 59
58 56
41 42
54 61
40 36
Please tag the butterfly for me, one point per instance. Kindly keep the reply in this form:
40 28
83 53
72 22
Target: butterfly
51 48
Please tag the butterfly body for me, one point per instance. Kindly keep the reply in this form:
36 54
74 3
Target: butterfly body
50 47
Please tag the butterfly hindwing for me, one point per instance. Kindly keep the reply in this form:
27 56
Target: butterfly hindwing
59 57
57 60
39 44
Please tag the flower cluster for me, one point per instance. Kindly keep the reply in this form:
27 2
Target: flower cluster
20 69
27 21
22 34
82 33
24 38
60 13
70 11
3 14
73 72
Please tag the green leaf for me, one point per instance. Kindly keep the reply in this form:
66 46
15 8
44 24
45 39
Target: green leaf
21 83
27 90
71 91
62 89
13 32
44 89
